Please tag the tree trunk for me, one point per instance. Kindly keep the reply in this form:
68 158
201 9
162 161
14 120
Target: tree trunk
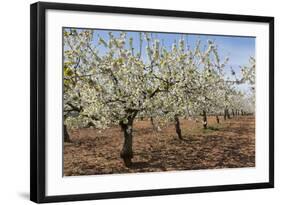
65 133
225 113
233 114
242 112
177 126
228 114
205 123
127 150
218 119
153 124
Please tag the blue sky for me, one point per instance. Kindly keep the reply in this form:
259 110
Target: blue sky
237 48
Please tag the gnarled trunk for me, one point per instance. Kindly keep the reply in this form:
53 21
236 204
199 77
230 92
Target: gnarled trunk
205 123
218 119
177 126
228 114
152 123
65 133
127 150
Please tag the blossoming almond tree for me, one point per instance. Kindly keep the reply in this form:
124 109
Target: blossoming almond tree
113 88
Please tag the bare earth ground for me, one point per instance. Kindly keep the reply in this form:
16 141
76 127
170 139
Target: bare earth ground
230 144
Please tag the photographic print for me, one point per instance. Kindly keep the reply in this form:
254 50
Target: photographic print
132 102
144 101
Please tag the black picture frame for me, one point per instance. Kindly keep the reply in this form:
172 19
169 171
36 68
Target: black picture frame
38 101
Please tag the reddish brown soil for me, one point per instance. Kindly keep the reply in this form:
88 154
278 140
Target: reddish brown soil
229 144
